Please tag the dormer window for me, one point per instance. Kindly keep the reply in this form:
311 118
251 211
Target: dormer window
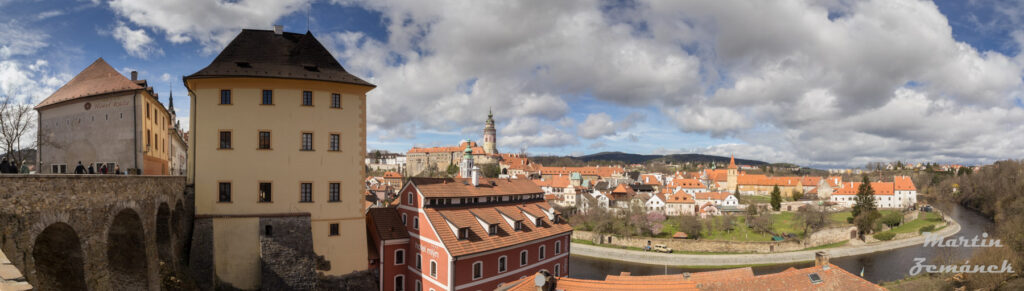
463 233
492 229
519 225
538 221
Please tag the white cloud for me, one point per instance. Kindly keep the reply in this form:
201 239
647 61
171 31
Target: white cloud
29 83
47 14
135 41
211 23
18 40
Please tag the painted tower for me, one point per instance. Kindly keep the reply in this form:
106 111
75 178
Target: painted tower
732 172
466 165
490 136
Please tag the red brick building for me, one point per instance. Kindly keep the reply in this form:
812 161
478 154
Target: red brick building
462 235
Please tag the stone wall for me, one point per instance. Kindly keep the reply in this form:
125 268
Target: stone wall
287 253
201 253
85 207
823 237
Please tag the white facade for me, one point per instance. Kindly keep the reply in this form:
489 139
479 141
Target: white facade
655 203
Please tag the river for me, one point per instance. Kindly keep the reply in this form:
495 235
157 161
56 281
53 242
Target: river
878 267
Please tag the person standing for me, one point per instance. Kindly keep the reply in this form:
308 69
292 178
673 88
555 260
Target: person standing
79 169
103 169
117 170
5 167
91 170
24 167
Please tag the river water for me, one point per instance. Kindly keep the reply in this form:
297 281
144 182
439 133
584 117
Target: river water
878 267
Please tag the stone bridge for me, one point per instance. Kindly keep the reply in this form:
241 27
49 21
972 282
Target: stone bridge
94 232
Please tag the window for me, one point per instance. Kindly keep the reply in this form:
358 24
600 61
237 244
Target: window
334 143
264 140
541 252
399 283
307 98
522 258
306 192
492 229
404 219
463 233
268 230
558 270
419 285
519 225
416 222
334 229
225 192
433 268
335 100
147 110
149 140
225 139
334 192
307 141
410 198
558 247
418 261
268 97
62 169
225 96
265 192
399 257
502 264
478 270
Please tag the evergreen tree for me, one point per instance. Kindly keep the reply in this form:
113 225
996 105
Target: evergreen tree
776 198
797 195
737 194
865 199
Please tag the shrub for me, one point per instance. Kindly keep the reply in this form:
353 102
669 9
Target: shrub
888 235
927 228
849 220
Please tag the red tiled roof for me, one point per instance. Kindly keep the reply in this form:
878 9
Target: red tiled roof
850 188
717 175
479 240
688 183
648 179
390 174
603 172
571 284
476 149
554 181
699 277
386 223
832 278
834 181
680 198
903 183
460 187
517 162
98 78
711 195
732 162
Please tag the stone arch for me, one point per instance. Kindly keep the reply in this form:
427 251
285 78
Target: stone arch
163 234
126 252
58 257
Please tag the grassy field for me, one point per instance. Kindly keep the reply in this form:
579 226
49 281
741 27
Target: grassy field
924 219
840 217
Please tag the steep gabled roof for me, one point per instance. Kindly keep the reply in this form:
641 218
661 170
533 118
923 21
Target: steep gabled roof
96 79
263 53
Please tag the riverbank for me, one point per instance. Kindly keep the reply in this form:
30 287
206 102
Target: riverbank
653 258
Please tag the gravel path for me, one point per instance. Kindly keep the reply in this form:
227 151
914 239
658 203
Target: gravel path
654 258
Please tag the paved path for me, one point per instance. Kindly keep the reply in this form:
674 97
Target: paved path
653 258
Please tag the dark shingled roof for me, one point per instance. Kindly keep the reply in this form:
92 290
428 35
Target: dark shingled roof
261 53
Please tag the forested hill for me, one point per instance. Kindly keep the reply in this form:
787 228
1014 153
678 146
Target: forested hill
608 158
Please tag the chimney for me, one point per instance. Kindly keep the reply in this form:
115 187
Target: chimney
476 176
135 75
278 29
820 259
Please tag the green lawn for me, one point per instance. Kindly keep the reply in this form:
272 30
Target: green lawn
924 219
755 199
840 217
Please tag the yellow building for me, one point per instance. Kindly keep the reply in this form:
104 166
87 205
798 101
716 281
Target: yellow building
276 149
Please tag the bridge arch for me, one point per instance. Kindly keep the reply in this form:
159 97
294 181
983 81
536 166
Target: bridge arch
126 251
58 257
178 231
163 234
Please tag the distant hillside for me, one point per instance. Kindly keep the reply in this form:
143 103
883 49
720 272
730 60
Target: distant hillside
627 158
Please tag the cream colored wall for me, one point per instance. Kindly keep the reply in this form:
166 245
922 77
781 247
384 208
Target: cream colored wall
284 165
236 249
69 133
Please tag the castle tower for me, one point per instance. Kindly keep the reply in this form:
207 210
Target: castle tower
490 135
466 165
732 172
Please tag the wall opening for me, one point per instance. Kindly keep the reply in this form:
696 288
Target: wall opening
126 252
178 232
58 258
163 234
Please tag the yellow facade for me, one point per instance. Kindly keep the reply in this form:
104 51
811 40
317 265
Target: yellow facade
284 165
156 122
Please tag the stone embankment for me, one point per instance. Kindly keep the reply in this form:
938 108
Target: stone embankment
823 237
654 258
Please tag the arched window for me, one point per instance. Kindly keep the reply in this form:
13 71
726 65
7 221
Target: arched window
416 222
478 270
419 285
558 270
433 269
558 247
541 252
405 219
419 265
399 283
411 198
522 258
399 257
502 264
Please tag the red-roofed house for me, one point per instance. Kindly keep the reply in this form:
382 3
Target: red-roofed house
900 193
476 233
680 204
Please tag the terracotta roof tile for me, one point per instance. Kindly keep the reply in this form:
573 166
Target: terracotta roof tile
711 195
680 198
603 172
96 79
390 174
479 239
460 187
387 223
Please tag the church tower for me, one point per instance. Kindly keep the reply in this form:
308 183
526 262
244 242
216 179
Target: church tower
466 165
732 173
490 135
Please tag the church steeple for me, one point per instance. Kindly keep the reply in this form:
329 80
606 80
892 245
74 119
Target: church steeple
490 135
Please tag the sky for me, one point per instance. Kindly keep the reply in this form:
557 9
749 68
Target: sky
822 83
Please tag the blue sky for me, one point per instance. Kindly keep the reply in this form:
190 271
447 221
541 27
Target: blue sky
820 83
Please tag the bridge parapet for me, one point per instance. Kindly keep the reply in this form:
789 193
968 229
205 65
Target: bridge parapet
101 232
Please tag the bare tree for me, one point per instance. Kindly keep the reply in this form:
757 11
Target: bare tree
16 120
